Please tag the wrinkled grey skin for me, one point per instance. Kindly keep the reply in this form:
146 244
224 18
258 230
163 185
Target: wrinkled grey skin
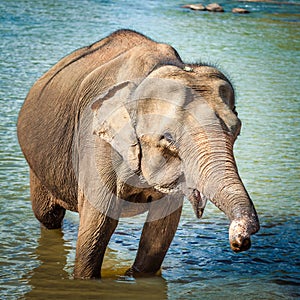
122 127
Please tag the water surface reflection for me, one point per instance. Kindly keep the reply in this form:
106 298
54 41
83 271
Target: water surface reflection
53 277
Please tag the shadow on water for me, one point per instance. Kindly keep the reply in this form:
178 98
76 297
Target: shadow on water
52 279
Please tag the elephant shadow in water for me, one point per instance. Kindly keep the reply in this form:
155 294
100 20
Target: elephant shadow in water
53 277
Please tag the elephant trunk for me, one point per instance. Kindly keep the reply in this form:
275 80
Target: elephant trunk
216 177
232 198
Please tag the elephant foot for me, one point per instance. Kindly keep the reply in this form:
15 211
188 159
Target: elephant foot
134 272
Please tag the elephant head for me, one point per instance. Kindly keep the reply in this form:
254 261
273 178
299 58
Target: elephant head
175 130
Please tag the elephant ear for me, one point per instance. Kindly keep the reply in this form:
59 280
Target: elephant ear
113 123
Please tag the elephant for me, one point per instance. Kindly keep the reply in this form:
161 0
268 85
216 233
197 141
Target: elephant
123 127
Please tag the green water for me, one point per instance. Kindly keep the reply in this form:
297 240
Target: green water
261 54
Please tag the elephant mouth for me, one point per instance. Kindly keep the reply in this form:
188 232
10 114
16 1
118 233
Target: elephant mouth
172 187
196 198
167 189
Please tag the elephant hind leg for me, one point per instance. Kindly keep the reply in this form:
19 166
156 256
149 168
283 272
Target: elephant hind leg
44 205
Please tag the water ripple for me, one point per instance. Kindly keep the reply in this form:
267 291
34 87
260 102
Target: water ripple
262 59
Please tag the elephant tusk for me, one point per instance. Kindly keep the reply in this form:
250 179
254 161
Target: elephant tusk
188 69
198 201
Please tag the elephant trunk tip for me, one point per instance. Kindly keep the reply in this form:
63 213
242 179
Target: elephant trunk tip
240 244
240 232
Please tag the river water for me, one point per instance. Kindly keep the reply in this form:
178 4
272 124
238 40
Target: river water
261 54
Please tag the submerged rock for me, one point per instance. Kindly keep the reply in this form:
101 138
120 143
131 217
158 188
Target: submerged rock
195 6
215 7
238 10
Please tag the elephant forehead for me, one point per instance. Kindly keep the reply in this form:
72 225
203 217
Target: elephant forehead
168 90
200 111
156 124
158 107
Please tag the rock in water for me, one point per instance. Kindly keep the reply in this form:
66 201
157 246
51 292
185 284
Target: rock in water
215 7
195 6
238 10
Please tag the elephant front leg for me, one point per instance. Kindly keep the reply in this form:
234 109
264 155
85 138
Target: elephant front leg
95 231
156 238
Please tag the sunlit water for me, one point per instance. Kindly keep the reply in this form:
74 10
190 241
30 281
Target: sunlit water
261 54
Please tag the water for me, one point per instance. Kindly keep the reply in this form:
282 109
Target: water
261 54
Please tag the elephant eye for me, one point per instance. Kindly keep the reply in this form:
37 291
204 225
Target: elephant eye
167 137
167 142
